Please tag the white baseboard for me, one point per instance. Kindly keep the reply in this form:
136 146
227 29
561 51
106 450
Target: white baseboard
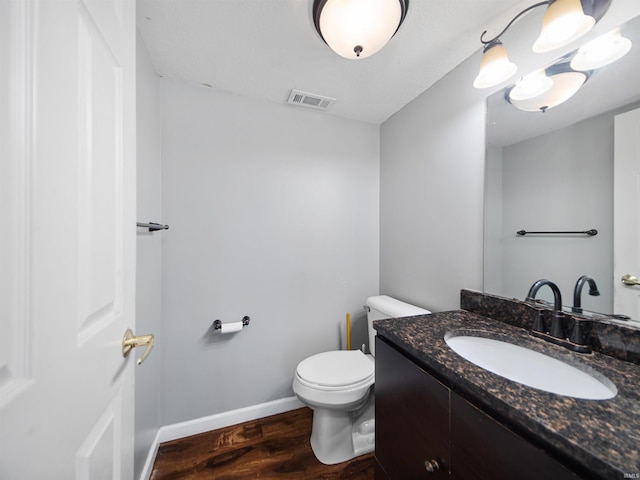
212 422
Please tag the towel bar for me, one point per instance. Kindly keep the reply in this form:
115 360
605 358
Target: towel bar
152 226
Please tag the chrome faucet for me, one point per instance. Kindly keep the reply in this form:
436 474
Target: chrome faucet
557 322
577 292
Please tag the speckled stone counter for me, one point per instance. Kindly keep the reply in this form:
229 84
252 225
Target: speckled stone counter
601 437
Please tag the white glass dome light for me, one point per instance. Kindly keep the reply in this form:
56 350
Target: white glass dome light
565 84
357 29
531 86
564 21
605 49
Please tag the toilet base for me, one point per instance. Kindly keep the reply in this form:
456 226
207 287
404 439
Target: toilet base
338 436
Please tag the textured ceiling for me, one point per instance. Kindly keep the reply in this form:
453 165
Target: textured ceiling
264 48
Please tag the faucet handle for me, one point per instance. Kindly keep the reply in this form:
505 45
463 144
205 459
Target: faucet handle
577 334
557 325
538 324
579 342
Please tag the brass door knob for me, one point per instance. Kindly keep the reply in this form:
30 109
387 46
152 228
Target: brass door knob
629 279
129 342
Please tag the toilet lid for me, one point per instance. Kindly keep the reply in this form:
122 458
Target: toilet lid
337 368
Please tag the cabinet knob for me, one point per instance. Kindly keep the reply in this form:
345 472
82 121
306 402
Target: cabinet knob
432 466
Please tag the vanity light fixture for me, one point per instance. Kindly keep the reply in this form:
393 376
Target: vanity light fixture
495 66
555 85
547 88
531 86
357 29
602 51
564 21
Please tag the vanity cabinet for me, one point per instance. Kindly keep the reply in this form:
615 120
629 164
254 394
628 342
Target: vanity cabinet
425 430
412 418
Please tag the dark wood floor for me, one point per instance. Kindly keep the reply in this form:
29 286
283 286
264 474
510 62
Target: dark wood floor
275 447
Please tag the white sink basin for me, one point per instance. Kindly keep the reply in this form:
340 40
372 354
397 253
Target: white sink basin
532 368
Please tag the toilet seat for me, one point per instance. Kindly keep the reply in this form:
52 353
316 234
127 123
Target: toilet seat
336 369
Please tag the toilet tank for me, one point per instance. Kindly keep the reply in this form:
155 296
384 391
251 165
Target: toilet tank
383 306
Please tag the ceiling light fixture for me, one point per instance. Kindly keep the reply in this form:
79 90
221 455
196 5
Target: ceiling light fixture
564 21
358 28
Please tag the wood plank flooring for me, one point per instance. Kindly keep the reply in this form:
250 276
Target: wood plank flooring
275 447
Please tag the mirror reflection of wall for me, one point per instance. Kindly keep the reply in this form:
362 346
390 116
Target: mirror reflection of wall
561 181
553 171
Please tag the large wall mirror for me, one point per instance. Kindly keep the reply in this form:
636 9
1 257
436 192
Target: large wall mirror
553 172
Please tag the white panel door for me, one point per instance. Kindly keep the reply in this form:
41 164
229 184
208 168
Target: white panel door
626 217
67 233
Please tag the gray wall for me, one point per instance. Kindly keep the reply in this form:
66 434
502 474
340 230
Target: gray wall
149 257
431 194
274 214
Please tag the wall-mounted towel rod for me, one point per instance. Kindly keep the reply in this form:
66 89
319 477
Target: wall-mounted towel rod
590 232
152 226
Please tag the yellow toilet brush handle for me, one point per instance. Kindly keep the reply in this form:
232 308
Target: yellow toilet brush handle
348 328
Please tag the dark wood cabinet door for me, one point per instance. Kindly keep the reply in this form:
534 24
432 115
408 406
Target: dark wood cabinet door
379 473
482 448
412 418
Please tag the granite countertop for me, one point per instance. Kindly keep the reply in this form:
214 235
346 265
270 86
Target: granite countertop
603 436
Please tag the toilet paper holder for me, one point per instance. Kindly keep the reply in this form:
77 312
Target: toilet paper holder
217 324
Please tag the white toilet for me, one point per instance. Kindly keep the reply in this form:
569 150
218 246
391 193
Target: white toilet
338 387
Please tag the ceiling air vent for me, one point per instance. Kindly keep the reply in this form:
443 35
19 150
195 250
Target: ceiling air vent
310 100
